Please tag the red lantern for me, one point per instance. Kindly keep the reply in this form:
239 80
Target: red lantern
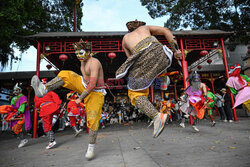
199 67
63 57
203 53
112 55
209 61
49 66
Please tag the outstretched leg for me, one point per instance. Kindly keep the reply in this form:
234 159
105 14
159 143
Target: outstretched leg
158 118
41 89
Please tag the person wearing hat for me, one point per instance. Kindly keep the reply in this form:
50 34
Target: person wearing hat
48 106
227 105
239 85
147 58
219 103
197 97
20 103
89 86
74 110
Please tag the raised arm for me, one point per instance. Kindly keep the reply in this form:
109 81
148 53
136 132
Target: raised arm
157 30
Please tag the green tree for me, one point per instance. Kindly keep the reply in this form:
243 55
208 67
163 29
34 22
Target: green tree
228 15
19 18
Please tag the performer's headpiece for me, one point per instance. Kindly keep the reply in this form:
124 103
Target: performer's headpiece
72 95
194 77
132 25
81 49
235 72
233 68
44 80
17 88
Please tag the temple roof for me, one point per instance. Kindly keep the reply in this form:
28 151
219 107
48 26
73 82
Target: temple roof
41 35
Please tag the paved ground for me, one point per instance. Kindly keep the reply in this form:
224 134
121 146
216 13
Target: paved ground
226 144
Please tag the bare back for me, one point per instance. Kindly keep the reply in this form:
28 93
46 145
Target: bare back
132 38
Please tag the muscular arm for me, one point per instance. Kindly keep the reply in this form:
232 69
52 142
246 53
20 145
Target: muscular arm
156 30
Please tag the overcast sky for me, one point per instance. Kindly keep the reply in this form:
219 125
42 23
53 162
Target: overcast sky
98 15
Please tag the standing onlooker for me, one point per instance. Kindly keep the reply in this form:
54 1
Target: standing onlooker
219 103
227 104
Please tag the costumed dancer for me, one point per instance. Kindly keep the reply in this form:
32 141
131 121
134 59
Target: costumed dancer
167 106
103 118
48 106
183 106
86 86
197 97
74 110
147 58
19 104
210 105
239 85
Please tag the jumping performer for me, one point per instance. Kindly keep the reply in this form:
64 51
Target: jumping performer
48 106
147 58
240 86
84 85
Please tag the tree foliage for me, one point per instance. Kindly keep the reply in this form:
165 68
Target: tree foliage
228 15
19 18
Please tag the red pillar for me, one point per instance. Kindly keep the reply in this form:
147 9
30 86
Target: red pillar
212 82
184 65
29 91
227 74
152 93
185 72
38 74
75 17
175 91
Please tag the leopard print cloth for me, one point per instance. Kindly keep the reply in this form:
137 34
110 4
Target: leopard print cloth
145 64
146 106
92 136
54 84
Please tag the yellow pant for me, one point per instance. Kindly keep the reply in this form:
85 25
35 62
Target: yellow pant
93 102
133 95
247 105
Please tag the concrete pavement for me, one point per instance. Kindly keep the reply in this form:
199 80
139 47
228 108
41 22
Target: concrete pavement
226 144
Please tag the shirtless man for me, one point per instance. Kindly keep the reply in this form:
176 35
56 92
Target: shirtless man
147 58
86 86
